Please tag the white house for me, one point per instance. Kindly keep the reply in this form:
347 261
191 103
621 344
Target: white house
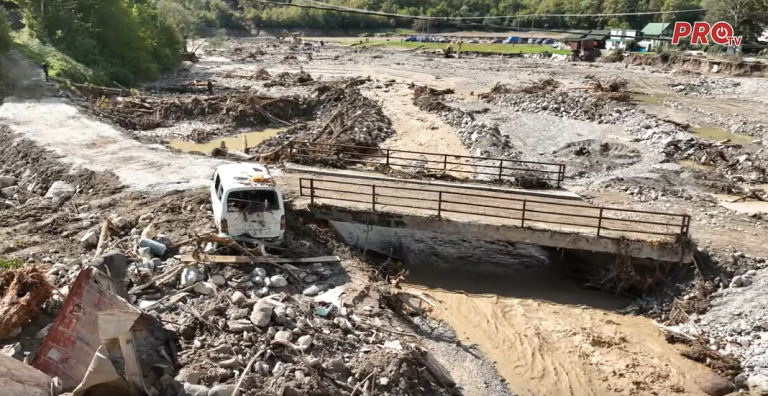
763 37
619 38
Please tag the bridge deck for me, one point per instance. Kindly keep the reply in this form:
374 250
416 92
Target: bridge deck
547 212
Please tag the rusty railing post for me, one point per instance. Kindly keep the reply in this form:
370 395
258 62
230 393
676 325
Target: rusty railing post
439 203
501 166
311 191
683 226
600 222
522 220
387 157
561 175
445 162
373 197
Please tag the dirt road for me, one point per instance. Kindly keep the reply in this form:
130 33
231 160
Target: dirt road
32 110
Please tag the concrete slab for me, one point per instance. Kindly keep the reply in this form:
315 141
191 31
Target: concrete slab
382 229
353 174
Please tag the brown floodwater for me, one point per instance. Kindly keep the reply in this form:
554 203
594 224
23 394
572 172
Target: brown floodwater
720 134
549 337
233 142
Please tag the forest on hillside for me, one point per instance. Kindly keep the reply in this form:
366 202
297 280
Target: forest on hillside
125 42
747 16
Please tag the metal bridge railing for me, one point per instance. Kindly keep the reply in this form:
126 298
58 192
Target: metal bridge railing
524 212
489 168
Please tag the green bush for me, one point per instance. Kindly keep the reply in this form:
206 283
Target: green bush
100 41
616 55
7 263
5 32
60 65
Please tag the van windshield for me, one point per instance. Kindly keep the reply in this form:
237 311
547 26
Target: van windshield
251 201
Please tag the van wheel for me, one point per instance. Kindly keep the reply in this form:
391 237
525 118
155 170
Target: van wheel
286 242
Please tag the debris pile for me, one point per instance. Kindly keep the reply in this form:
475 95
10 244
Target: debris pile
250 324
22 293
265 328
242 110
706 86
613 89
428 99
545 85
344 116
732 161
498 89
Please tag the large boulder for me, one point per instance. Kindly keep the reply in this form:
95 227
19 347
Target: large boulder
7 181
758 384
715 385
262 313
60 190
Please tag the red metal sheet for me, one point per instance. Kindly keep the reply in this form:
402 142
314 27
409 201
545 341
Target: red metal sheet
68 349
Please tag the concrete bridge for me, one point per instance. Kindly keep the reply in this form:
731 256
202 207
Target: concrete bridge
378 206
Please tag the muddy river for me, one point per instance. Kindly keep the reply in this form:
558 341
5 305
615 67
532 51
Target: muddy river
549 337
233 142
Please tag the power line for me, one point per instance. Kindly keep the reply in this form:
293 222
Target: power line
331 6
328 7
316 5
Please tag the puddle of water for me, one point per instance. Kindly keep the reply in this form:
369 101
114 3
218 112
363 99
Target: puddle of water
548 337
749 206
695 165
720 134
233 142
649 99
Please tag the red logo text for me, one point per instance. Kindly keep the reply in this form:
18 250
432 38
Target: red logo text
720 33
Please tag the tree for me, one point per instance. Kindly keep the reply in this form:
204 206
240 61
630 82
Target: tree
184 15
5 32
679 5
748 17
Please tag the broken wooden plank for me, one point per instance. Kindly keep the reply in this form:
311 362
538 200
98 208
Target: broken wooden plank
204 258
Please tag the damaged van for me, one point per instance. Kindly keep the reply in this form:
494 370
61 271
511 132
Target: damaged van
247 205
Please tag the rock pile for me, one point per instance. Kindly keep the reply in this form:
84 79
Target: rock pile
586 107
240 331
706 86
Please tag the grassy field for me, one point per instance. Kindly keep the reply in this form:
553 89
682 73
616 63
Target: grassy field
482 47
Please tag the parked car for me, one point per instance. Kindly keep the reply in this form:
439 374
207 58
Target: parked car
411 39
497 41
473 41
539 41
247 205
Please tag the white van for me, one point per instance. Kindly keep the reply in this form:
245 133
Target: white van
247 205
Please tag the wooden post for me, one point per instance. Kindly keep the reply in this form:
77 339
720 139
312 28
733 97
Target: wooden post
387 156
522 223
600 222
312 191
439 203
501 166
445 162
373 197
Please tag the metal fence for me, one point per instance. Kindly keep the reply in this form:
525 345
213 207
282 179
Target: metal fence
489 168
513 210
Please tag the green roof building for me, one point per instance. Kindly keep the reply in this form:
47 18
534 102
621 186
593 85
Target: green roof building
658 29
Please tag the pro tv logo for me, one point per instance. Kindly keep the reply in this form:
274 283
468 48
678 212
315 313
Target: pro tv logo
720 33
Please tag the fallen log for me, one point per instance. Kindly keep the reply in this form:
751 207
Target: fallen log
188 258
90 88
